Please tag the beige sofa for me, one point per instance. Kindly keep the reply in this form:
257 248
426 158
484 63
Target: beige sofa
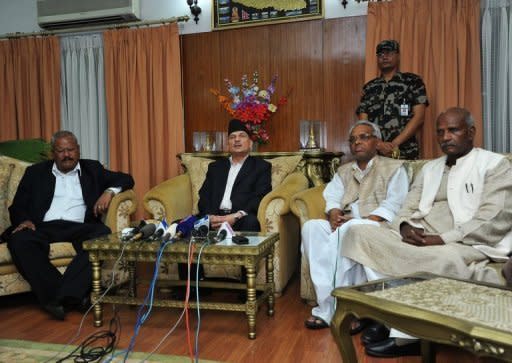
177 198
310 204
61 253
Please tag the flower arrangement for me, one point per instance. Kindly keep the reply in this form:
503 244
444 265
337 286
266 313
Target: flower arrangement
251 105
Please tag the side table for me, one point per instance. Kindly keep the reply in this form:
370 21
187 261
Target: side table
466 314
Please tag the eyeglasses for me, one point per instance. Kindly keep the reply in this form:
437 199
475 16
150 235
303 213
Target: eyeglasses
361 137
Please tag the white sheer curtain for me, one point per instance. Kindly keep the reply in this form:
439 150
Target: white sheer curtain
83 94
497 74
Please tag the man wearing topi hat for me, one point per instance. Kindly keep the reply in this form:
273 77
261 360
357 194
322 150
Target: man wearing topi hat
234 186
396 102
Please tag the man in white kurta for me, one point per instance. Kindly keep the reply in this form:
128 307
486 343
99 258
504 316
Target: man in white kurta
457 214
369 190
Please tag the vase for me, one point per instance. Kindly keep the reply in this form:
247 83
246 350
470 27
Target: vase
255 146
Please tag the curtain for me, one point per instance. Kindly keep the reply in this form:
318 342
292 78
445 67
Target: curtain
30 83
144 103
83 94
440 41
497 73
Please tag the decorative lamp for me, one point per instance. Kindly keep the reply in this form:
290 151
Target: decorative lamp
313 136
208 141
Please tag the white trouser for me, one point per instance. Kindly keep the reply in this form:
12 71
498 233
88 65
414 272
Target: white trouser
321 247
354 273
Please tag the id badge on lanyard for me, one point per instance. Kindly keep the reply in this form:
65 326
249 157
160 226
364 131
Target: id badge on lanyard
404 109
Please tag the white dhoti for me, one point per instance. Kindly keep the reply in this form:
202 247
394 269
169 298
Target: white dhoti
321 247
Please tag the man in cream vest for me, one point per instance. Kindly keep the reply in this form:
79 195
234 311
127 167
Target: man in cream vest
369 190
457 214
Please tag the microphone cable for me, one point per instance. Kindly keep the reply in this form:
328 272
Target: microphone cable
142 314
109 287
185 306
196 351
88 351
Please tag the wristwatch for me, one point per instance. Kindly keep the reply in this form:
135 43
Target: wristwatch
239 215
112 193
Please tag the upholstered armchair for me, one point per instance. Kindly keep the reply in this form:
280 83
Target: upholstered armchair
306 205
123 205
177 197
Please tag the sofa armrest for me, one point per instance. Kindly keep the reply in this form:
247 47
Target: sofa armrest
309 204
291 185
122 206
171 198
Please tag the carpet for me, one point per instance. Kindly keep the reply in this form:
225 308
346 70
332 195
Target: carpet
24 351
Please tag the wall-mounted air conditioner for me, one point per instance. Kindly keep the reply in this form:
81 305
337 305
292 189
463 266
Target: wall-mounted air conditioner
52 14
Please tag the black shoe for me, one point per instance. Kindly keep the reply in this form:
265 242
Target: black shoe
360 325
74 303
389 349
374 333
55 310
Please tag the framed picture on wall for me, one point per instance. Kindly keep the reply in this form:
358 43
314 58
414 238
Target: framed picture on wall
229 14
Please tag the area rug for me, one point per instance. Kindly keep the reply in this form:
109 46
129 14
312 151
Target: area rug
24 351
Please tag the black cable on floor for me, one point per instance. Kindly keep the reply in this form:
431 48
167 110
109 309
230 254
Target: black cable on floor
90 351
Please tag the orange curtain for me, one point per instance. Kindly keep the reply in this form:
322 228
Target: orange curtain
30 80
144 104
440 41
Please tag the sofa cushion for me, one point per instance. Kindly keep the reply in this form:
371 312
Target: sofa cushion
196 169
5 174
16 175
282 167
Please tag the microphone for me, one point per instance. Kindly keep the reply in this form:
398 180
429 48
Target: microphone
170 232
160 230
144 232
159 233
128 233
225 232
221 236
201 227
185 227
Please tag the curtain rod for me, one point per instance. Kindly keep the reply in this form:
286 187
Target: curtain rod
96 27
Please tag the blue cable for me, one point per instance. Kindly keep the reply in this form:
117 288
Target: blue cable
142 317
197 300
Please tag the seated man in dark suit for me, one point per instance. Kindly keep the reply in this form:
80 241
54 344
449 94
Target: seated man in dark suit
234 186
60 200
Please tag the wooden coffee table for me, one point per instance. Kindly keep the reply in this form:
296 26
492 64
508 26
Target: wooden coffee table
473 316
261 246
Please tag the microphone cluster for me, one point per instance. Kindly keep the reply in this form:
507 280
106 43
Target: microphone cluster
187 227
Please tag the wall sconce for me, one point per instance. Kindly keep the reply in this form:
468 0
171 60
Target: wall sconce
313 136
194 9
345 2
208 141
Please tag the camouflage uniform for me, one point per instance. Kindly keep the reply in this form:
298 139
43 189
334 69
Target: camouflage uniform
381 100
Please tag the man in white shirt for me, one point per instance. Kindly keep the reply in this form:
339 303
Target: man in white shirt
369 190
60 200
